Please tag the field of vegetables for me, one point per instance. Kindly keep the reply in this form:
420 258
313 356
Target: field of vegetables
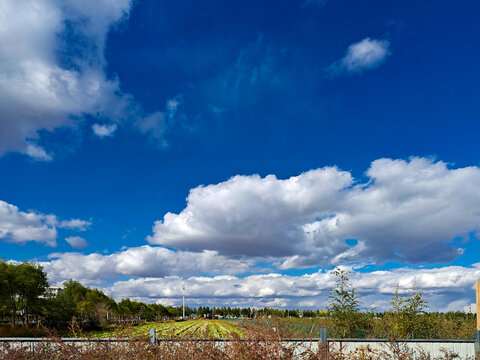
186 329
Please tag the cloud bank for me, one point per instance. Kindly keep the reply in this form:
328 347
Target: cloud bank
446 288
140 262
409 211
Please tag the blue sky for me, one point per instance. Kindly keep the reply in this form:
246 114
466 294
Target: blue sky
294 127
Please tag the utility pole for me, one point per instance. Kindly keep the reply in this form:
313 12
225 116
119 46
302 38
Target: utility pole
183 302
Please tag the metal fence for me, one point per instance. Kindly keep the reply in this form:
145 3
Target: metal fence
465 349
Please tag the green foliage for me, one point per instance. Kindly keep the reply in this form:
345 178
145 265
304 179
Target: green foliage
88 305
22 286
406 312
343 299
130 310
344 305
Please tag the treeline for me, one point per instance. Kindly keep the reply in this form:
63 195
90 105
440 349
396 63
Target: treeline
27 299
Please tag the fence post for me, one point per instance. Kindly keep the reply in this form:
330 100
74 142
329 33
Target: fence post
152 335
477 345
323 336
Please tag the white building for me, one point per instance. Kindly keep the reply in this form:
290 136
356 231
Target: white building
52 292
470 309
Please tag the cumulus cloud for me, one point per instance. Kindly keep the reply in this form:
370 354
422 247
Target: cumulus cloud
20 227
104 130
140 261
447 288
408 211
364 55
250 215
77 242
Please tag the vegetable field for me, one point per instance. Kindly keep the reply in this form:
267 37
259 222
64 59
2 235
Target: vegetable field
186 329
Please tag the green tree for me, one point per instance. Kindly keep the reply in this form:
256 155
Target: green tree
58 311
31 284
91 305
344 304
21 287
131 310
7 291
407 312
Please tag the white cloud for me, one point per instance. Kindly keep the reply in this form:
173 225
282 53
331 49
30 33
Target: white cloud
366 54
74 224
77 242
161 274
38 88
52 72
249 215
408 211
20 227
104 130
37 153
140 261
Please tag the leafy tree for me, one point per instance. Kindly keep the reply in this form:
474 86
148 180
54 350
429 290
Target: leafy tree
21 288
344 304
91 305
406 311
58 311
31 283
132 310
